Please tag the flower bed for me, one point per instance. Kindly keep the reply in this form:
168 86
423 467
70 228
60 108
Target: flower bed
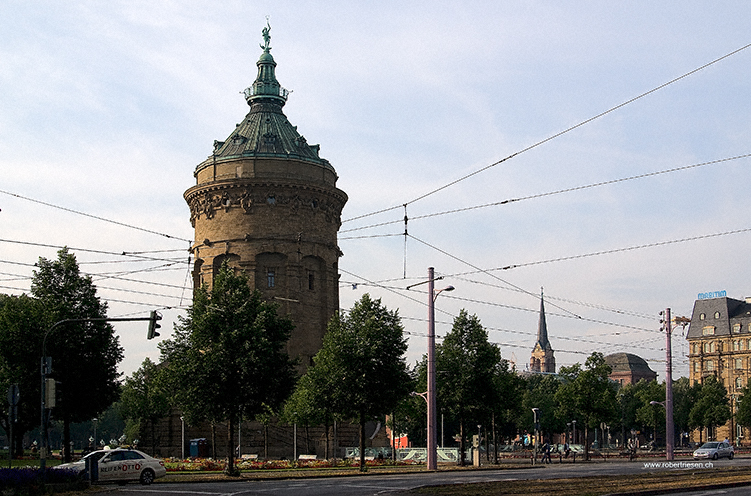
211 465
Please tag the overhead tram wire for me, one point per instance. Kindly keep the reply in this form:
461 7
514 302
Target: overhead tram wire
549 297
568 314
583 255
579 188
489 274
96 217
638 344
452 297
554 136
629 248
86 250
397 291
546 194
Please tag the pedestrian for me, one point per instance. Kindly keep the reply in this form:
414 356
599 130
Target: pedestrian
566 449
546 452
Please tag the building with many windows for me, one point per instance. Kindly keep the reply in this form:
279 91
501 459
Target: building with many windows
719 337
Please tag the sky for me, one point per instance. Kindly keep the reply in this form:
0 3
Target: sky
621 129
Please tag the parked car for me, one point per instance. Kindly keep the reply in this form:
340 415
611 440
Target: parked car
122 465
714 450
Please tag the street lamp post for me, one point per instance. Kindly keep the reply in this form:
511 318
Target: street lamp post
574 436
182 437
535 412
432 462
432 295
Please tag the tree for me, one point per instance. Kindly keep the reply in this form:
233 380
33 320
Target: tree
410 415
508 406
711 408
21 331
467 365
648 414
743 413
588 394
144 398
684 397
84 355
312 402
362 363
228 355
539 393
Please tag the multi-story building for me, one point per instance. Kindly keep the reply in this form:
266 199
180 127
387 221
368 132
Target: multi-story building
719 337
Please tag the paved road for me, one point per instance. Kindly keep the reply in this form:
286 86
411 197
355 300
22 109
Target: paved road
384 484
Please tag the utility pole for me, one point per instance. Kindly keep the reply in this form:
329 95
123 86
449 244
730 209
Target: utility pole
669 429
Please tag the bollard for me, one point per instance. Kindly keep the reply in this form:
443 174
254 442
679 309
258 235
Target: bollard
92 469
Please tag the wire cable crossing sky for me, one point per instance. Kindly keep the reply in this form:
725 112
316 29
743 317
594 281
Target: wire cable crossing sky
108 108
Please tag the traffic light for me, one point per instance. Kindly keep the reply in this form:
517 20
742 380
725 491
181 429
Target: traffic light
153 326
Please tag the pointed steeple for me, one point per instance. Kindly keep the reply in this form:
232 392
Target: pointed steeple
542 327
542 359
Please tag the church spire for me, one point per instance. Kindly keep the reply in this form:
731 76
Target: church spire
542 327
266 87
542 359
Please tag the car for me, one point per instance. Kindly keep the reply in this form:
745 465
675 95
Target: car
714 450
121 465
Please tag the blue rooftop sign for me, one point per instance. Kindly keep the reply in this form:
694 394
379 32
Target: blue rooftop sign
713 294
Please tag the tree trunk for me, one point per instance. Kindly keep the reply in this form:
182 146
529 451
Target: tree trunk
461 442
326 450
307 439
393 439
495 443
586 442
265 441
213 440
66 440
362 442
336 442
231 447
153 437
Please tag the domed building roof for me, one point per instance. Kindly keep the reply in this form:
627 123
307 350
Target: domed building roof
629 368
265 132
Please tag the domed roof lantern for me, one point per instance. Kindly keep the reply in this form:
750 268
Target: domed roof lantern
266 87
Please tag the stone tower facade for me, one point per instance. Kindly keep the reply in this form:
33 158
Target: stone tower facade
542 359
267 203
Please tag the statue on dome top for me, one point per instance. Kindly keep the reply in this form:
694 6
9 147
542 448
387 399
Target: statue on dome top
266 36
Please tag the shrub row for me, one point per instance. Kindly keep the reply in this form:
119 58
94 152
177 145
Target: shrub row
32 481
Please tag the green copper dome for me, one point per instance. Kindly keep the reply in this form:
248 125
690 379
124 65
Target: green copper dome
265 131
